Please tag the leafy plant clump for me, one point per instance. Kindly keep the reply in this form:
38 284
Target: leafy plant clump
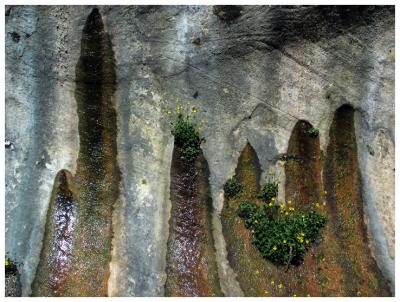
186 131
313 132
10 267
270 189
282 239
233 187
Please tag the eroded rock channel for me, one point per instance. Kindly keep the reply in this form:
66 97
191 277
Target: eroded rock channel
361 275
191 264
77 248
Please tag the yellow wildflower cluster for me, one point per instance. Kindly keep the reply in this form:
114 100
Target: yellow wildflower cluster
300 237
179 109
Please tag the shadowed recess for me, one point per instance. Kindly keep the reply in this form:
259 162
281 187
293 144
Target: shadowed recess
191 263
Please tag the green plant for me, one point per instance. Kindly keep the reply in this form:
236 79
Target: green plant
282 239
270 189
313 132
186 131
10 267
233 187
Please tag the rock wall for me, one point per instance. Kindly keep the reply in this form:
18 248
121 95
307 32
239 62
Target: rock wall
253 73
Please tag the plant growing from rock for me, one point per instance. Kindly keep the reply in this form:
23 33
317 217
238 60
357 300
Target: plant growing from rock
233 187
270 189
186 130
10 267
313 132
281 235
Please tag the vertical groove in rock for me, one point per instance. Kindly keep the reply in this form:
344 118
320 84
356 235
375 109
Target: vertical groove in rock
55 259
98 175
342 182
191 264
303 167
243 256
95 185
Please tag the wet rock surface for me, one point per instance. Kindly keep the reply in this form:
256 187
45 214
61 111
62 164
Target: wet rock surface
191 262
254 78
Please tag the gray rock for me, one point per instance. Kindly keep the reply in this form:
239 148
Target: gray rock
254 75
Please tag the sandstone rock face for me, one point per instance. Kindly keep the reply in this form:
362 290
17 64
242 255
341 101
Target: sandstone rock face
252 71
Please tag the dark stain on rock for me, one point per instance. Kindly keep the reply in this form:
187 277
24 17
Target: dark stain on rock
15 36
227 13
196 41
56 255
97 178
191 263
96 182
343 186
303 167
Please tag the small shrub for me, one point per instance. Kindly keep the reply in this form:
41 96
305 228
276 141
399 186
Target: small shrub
281 239
186 132
313 132
270 189
232 187
247 210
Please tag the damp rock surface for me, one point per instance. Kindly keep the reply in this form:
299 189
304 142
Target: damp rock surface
191 262
253 76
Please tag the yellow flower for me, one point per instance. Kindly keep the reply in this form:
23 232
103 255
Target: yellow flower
317 204
282 206
274 248
284 241
326 193
302 234
307 241
194 110
257 272
286 213
291 209
308 295
273 198
294 295
270 204
289 202
272 282
280 285
177 100
189 103
266 292
6 262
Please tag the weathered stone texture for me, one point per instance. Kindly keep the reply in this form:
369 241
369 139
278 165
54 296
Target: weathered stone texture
254 74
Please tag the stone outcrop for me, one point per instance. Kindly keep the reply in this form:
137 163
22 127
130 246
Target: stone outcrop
252 71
